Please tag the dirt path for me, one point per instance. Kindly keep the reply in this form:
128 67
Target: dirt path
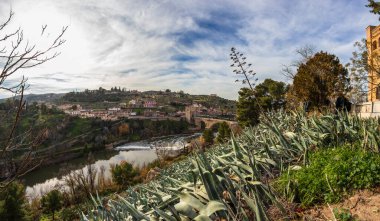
363 206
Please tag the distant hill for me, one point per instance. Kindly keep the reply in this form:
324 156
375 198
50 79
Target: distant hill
30 98
171 101
103 99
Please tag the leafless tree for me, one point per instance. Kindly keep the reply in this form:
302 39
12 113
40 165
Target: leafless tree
361 63
16 54
305 53
101 178
82 183
91 172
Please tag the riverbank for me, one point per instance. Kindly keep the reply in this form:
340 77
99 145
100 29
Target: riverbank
138 153
68 137
56 157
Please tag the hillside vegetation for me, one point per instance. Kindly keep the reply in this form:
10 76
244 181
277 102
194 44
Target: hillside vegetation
63 136
234 180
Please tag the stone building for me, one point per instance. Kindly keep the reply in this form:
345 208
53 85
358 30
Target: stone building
373 46
189 114
372 107
191 111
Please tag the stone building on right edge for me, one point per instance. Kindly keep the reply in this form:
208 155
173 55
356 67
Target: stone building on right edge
371 108
373 46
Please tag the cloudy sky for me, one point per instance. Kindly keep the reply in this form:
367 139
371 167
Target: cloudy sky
179 44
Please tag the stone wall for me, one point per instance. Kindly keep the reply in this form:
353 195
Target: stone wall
367 109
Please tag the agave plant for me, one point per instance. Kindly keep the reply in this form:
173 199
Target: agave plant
230 181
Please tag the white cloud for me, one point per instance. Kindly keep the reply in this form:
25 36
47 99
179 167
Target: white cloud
132 43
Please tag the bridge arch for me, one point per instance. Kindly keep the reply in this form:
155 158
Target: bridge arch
210 122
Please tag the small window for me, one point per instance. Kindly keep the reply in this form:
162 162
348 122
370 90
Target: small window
374 45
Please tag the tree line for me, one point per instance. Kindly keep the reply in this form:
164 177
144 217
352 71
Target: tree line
319 82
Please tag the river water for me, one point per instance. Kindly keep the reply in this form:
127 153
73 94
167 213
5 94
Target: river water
139 153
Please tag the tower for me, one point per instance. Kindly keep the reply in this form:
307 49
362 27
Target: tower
189 114
373 47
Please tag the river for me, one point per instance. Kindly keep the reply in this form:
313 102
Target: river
139 153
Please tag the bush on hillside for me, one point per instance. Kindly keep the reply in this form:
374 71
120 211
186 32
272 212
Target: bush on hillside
125 174
13 203
208 137
331 174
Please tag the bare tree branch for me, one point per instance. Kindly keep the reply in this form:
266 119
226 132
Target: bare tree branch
16 53
361 64
305 53
2 26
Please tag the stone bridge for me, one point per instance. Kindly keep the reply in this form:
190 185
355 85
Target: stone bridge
209 122
193 118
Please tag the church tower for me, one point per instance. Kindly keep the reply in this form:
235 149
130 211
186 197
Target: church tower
373 46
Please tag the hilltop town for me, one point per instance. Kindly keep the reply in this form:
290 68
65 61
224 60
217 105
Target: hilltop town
119 103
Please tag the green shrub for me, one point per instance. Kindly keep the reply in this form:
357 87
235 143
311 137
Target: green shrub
208 136
13 203
52 202
69 213
125 174
331 174
224 133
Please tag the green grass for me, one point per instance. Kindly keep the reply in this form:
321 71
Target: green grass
331 174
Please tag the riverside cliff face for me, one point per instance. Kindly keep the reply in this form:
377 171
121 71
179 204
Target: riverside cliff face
100 136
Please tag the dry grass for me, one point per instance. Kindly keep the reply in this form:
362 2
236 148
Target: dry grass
364 205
